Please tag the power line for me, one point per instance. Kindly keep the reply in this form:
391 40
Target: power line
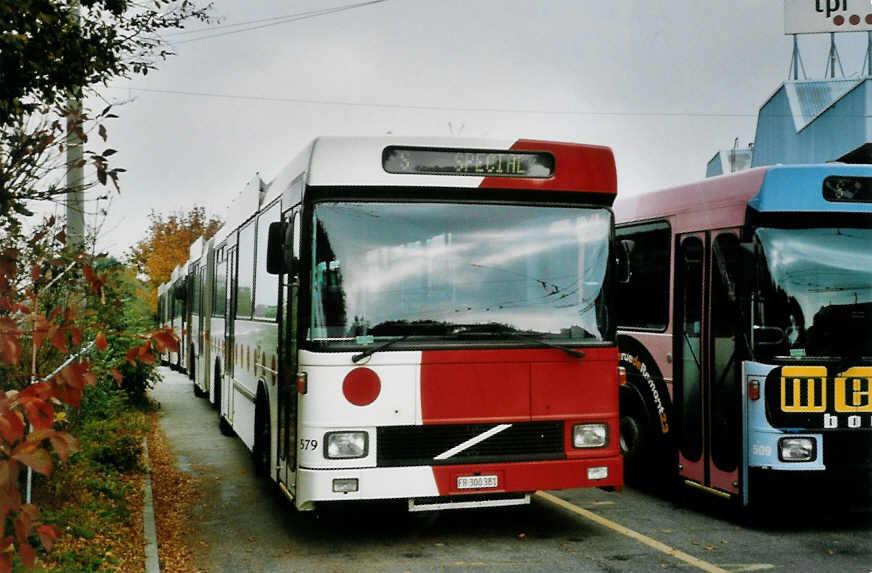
277 21
210 29
275 99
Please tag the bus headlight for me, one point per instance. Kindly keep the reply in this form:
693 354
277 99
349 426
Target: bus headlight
590 435
797 449
345 445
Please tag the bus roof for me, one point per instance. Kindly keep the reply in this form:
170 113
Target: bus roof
708 204
358 162
720 202
799 188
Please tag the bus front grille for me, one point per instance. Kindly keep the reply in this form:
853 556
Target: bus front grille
848 449
421 445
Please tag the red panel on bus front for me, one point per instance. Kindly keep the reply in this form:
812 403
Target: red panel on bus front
463 387
576 388
531 476
518 385
578 167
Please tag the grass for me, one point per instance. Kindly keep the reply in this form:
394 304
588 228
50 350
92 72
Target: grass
95 497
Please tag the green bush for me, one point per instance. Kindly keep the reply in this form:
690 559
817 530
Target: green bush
138 380
109 434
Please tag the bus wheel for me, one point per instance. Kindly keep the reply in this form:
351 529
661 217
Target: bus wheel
633 442
224 426
216 386
260 452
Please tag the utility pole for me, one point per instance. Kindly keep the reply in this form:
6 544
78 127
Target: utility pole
75 164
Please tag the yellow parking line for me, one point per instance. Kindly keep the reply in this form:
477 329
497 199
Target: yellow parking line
659 546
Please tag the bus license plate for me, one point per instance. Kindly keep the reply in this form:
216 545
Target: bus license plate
477 482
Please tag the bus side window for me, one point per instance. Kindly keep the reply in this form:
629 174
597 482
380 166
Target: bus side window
266 290
245 272
643 276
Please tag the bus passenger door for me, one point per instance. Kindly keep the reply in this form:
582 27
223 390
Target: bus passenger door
225 407
287 390
726 352
688 344
707 397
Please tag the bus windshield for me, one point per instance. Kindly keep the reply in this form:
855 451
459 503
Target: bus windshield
459 270
815 292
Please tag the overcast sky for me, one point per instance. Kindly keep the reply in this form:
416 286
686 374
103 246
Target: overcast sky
664 83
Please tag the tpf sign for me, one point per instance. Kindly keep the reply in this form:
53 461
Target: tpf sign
816 16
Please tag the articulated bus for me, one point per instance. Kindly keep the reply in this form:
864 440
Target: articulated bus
745 326
428 321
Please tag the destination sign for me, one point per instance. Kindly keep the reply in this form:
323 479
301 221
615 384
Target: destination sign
477 162
848 189
815 398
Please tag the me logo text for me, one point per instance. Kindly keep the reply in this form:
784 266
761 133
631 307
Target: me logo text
804 389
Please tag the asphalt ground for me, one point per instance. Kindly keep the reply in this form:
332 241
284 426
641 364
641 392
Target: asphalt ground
241 523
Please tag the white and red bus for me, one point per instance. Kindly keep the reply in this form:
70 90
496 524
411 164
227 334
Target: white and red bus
422 320
745 327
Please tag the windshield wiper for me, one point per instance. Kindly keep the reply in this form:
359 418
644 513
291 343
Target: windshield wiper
377 348
515 334
543 342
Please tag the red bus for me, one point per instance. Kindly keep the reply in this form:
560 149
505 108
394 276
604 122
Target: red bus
422 320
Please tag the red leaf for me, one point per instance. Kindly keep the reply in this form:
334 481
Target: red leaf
35 272
11 427
32 455
27 554
10 347
39 413
167 338
47 535
74 376
76 335
146 357
8 259
37 390
88 272
64 444
117 375
40 331
20 531
58 339
101 342
5 564
131 356
8 473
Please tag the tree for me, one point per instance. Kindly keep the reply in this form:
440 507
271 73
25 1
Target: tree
60 331
47 55
167 242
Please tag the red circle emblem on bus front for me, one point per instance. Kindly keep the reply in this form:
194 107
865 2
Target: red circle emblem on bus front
361 386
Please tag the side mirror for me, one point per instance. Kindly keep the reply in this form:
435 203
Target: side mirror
624 271
279 256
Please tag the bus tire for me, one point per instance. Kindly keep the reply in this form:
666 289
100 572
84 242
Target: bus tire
260 451
224 426
216 387
634 440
